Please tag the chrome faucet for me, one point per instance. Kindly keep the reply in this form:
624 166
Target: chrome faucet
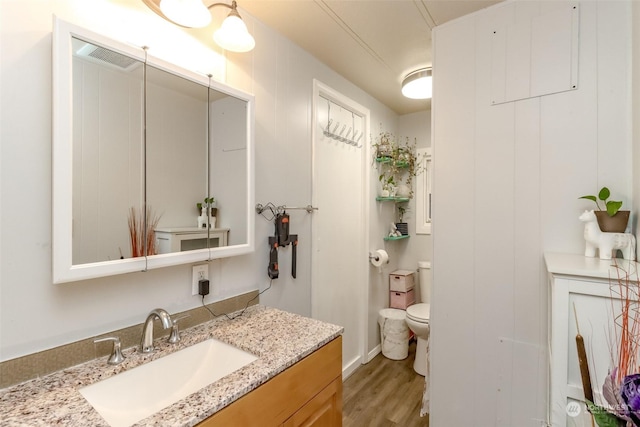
146 343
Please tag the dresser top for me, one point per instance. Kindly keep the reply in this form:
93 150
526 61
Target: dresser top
580 265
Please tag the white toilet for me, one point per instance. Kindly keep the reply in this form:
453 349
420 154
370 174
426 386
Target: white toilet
418 317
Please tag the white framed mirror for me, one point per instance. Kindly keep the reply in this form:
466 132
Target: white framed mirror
135 134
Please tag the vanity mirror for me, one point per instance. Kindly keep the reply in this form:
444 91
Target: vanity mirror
107 170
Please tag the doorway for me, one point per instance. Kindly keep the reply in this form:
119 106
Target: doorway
340 228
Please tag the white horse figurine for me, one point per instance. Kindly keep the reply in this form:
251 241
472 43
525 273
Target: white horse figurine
606 243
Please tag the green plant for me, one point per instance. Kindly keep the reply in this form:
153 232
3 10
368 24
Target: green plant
398 161
387 180
401 211
612 207
384 146
208 203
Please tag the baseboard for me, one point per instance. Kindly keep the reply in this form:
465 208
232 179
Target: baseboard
350 367
373 353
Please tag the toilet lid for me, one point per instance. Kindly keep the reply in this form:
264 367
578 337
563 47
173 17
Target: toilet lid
419 312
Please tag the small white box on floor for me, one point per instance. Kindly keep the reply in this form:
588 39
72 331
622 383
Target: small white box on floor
401 280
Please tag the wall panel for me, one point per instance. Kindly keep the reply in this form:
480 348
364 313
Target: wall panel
454 207
530 160
494 224
613 76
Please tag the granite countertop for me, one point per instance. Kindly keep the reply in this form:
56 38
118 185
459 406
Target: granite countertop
279 339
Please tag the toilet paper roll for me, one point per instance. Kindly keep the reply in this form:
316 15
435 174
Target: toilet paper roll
379 257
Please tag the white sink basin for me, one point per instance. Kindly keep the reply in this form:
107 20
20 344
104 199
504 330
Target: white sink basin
133 395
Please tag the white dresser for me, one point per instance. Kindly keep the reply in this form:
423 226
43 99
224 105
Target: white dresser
178 239
589 285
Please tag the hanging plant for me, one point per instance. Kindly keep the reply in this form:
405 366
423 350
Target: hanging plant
399 163
384 147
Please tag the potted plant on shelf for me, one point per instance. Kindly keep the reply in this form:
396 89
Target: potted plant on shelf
399 164
209 206
388 185
402 227
383 148
611 219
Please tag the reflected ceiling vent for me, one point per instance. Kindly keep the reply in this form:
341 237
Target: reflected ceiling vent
100 55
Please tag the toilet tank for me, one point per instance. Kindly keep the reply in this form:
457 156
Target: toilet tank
424 277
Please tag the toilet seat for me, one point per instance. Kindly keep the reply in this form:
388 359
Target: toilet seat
419 312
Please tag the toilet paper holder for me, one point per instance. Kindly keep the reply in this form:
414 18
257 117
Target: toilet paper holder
378 257
373 256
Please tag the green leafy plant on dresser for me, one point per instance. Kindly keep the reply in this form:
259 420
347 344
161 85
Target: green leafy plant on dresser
611 219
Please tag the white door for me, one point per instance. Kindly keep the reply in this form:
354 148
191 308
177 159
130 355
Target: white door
340 227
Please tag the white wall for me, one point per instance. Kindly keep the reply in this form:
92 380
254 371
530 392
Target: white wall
419 246
506 187
418 126
35 314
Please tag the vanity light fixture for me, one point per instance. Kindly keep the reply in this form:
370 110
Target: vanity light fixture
417 85
232 35
187 13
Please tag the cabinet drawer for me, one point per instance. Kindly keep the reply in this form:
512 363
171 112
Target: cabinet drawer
401 280
401 300
275 401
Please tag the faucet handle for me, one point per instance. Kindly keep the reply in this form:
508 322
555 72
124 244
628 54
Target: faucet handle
174 337
116 354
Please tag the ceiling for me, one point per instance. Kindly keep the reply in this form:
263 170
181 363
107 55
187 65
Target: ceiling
372 43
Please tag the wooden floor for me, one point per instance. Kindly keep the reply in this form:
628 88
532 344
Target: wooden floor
384 392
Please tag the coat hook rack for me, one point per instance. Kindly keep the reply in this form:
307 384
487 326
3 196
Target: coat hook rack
338 137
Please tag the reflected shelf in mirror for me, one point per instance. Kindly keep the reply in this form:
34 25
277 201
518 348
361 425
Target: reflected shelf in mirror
179 239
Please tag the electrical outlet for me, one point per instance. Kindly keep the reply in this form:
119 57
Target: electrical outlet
200 271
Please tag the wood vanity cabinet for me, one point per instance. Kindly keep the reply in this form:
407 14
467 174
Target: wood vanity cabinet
308 393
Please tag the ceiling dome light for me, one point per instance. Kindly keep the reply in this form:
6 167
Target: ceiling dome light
233 34
188 13
417 85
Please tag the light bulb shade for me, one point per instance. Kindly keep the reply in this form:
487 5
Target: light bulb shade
188 13
417 85
233 35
